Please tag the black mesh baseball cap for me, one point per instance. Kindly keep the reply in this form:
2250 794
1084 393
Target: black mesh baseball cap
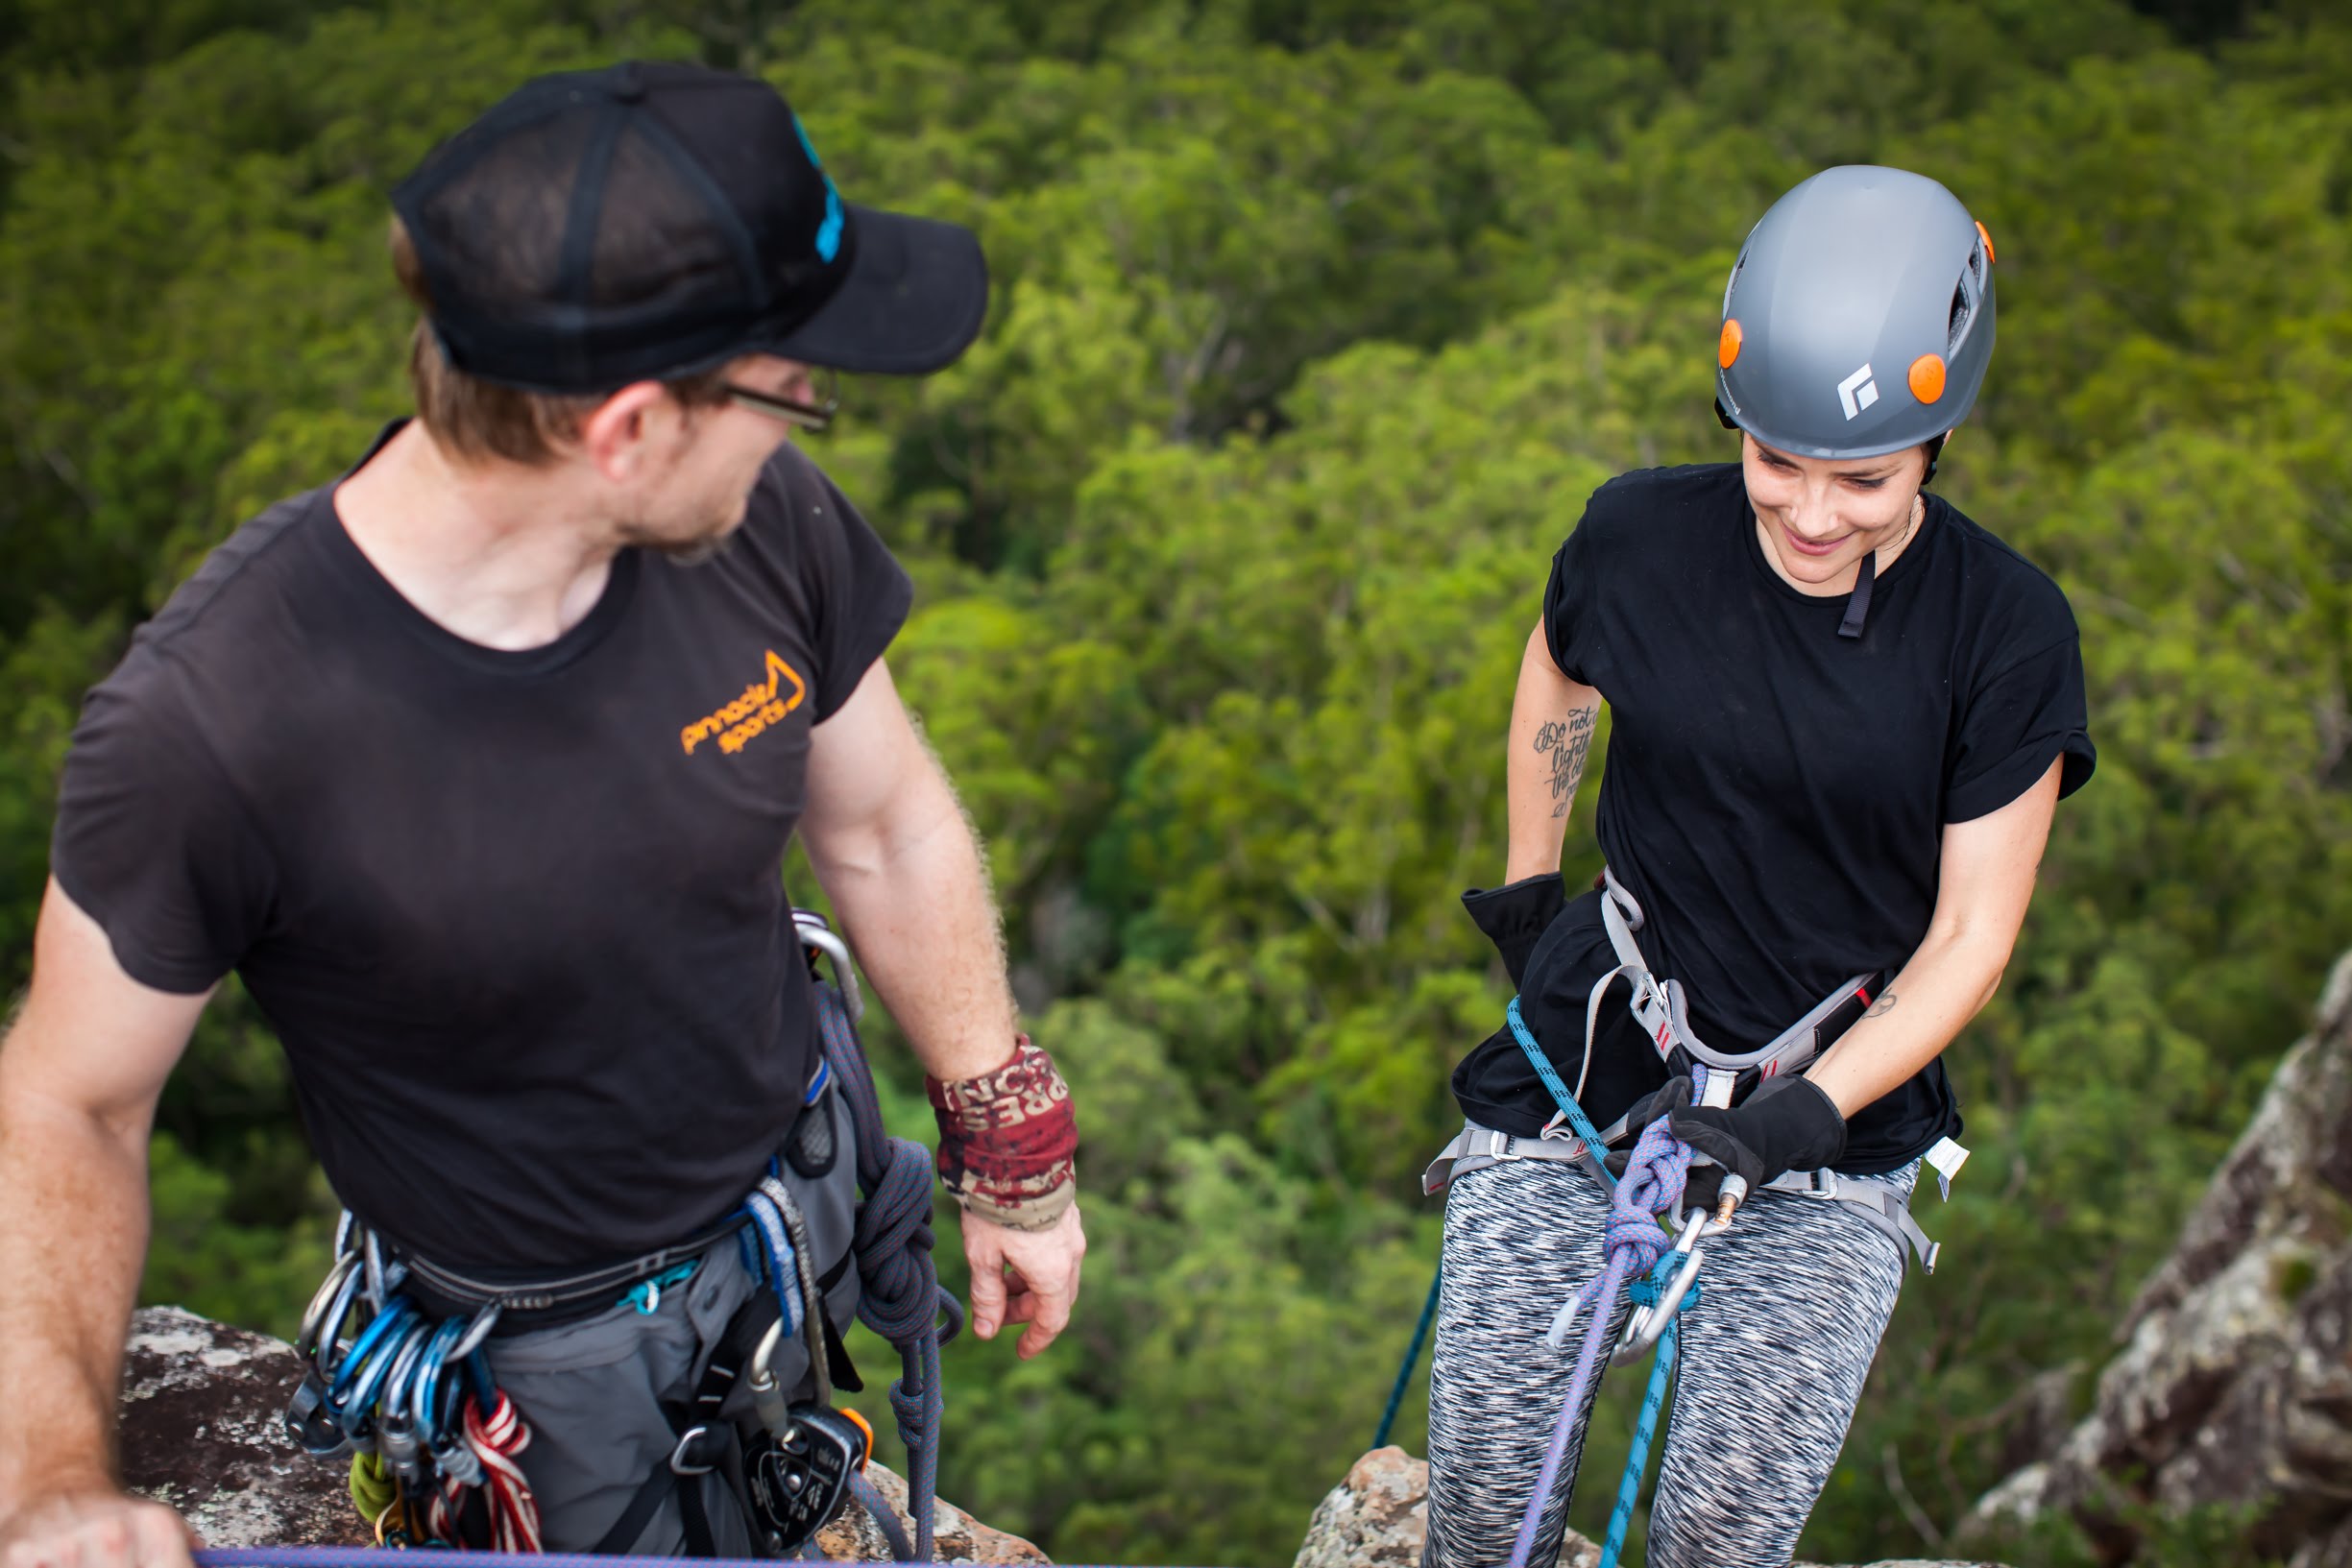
649 221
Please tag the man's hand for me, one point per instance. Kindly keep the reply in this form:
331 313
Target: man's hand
96 1529
1038 1267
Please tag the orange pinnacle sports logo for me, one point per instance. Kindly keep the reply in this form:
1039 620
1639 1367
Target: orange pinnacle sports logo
762 703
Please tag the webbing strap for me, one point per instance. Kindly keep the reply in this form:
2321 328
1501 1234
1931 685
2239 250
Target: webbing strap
1663 1012
1875 1201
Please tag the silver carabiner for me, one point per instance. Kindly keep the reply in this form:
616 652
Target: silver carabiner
1648 1324
814 933
767 1395
314 1316
477 1331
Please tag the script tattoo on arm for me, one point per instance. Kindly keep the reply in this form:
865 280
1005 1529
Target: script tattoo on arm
1567 744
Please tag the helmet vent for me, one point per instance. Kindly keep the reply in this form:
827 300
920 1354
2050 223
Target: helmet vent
1966 291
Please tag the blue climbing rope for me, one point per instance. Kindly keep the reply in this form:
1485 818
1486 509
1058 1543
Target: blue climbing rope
1542 1064
1655 1176
1652 1185
1413 1359
1646 1292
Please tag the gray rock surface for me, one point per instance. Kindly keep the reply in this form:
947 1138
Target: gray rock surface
1379 1516
200 1432
2234 1386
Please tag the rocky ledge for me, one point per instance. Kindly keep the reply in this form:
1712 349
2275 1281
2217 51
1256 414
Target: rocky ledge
2234 1386
201 1430
1379 1516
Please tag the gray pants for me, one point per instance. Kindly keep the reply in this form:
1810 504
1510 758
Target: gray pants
1773 1358
593 1391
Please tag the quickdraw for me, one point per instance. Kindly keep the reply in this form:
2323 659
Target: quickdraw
434 1444
431 1440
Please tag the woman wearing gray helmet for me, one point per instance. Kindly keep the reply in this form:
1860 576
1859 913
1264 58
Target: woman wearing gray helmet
1841 716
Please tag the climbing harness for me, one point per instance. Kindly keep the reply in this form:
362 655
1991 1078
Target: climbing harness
395 1376
1664 1279
1662 1010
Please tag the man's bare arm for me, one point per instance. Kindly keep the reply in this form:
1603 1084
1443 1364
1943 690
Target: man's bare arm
1552 723
80 1073
900 862
903 867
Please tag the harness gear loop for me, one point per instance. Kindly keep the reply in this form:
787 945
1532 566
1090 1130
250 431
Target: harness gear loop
446 1444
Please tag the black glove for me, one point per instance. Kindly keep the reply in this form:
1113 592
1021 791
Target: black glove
1703 1188
1788 1123
1514 916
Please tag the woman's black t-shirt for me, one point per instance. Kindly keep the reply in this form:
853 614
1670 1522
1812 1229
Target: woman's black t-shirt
1775 794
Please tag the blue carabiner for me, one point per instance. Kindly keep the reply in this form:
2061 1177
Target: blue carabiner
430 1370
355 1380
477 1375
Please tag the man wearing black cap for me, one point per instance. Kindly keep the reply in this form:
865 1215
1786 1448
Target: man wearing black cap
477 767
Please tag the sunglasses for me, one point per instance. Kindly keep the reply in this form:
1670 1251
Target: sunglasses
814 416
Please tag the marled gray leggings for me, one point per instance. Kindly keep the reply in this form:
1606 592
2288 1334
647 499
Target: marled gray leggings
1773 1357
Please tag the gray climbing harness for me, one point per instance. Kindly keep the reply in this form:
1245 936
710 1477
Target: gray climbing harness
1660 1007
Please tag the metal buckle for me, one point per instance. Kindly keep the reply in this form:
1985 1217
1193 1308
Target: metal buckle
678 1464
1501 1146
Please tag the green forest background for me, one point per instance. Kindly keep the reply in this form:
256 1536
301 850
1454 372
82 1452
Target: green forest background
1315 321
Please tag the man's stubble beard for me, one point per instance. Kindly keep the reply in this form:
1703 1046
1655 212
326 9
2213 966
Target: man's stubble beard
686 550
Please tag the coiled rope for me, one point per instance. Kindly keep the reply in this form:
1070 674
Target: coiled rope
901 1299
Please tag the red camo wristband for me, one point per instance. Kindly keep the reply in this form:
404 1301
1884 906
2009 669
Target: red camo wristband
1008 1139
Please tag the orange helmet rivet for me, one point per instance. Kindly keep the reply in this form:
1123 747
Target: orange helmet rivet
1928 378
1727 347
1988 241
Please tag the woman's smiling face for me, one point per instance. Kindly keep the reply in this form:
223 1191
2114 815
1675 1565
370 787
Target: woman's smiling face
1818 516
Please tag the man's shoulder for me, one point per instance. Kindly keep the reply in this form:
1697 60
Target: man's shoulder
252 565
795 518
224 613
794 489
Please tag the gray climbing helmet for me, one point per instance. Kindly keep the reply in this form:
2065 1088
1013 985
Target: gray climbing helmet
1858 319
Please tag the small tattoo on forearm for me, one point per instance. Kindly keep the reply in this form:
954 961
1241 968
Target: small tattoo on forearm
1884 1005
1568 743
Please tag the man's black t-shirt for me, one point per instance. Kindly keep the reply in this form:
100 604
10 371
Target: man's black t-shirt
516 917
1775 794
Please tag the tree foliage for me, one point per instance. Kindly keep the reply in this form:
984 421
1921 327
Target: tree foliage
1315 323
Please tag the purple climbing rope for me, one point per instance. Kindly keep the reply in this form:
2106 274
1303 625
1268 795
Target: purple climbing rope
1652 1185
370 1556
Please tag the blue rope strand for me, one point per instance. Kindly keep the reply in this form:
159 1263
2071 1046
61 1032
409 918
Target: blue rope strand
1646 1292
1413 1359
1542 1064
1653 1185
